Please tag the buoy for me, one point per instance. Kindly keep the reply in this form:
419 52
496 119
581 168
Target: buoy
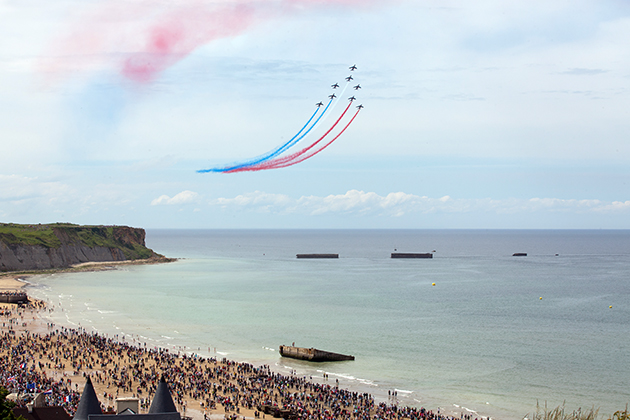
432 284
540 298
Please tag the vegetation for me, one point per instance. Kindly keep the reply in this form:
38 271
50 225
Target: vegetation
44 235
621 415
54 235
6 406
559 413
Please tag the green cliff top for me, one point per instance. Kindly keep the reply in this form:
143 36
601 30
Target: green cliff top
129 240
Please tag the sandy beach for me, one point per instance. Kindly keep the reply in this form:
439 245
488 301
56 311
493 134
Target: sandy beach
10 283
37 353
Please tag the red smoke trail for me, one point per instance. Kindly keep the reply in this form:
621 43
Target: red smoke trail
141 39
177 35
286 159
319 150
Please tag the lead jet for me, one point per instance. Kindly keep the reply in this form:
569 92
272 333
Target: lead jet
352 98
335 86
357 87
319 104
353 67
349 78
333 96
360 106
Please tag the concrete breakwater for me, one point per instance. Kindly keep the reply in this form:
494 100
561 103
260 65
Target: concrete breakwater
411 255
313 355
317 255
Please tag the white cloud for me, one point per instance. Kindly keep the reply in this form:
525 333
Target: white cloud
615 206
399 203
37 198
16 188
258 201
183 197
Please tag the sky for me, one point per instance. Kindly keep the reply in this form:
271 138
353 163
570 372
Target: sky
510 114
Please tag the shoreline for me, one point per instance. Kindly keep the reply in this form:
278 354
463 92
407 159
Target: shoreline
18 281
42 323
217 398
134 335
10 280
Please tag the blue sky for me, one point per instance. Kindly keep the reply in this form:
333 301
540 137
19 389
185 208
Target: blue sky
485 114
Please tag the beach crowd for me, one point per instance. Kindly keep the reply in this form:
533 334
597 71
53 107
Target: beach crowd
57 360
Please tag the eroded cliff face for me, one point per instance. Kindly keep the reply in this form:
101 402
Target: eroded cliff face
76 244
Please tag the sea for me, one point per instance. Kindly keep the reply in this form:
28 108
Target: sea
473 330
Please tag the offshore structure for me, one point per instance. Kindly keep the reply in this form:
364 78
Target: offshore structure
313 355
411 255
317 255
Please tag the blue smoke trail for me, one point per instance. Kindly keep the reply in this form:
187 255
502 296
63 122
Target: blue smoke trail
276 151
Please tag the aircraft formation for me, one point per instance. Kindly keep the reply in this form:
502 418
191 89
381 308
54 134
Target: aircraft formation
277 158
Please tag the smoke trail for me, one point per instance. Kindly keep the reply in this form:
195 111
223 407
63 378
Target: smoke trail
286 159
270 154
174 36
141 39
294 140
302 159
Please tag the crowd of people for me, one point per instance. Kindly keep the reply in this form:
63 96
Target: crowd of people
11 293
57 360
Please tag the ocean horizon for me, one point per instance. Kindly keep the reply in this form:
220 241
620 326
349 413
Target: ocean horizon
473 330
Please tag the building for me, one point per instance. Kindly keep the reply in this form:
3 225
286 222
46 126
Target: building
162 407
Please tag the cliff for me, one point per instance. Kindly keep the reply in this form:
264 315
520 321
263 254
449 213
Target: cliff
61 245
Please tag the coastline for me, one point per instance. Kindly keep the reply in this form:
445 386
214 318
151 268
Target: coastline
34 321
42 323
10 280
221 393
158 282
15 281
38 322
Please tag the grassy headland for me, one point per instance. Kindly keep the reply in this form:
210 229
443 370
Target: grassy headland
63 245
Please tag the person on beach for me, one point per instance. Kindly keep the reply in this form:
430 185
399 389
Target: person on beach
57 360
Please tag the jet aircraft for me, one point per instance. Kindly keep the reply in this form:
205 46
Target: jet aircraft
353 67
352 98
333 96
319 104
357 87
349 78
335 86
360 106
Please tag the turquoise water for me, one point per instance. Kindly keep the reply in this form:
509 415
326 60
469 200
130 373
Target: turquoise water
480 339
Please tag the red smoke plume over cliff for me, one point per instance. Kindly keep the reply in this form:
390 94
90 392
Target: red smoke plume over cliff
141 39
